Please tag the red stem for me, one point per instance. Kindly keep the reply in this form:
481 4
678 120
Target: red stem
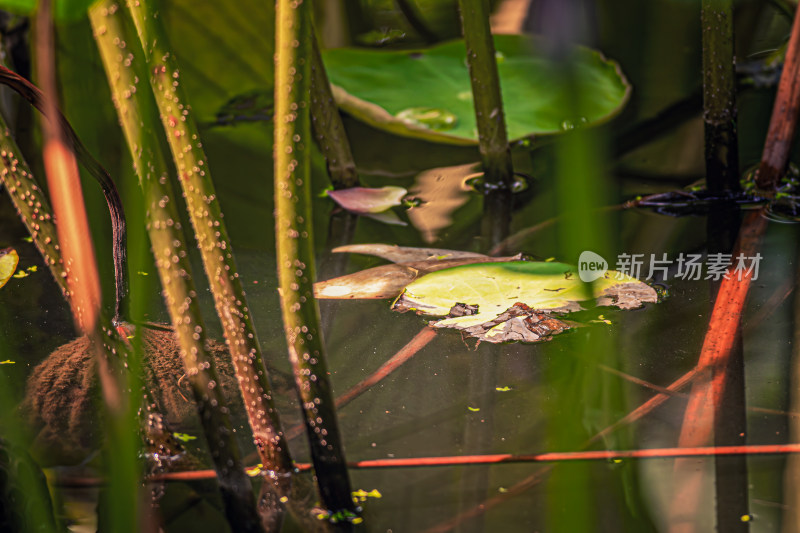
784 116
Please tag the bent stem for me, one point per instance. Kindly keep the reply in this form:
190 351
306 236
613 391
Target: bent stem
492 137
37 99
295 254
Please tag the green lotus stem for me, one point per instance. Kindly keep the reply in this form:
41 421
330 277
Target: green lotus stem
32 205
719 96
328 126
135 110
295 245
212 237
492 137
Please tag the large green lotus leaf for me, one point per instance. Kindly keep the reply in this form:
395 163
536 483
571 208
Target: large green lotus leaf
496 287
426 93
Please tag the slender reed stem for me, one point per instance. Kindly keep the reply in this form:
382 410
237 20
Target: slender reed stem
295 245
493 141
719 96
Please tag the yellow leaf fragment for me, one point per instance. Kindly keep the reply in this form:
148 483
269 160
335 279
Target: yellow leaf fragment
8 264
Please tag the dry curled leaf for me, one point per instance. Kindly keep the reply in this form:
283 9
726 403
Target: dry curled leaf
387 281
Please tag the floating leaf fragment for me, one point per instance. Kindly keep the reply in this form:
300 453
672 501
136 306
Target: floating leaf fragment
601 320
360 495
184 437
362 200
254 470
8 264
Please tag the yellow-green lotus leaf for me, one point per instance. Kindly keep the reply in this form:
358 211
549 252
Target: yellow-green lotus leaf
484 291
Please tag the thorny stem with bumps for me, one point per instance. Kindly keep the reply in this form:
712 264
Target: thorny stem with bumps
217 258
295 253
212 237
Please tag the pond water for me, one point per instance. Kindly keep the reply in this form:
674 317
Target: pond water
455 397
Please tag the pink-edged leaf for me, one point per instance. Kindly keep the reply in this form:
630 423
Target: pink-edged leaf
364 200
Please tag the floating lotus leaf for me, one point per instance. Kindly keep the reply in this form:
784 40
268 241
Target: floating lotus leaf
8 264
495 301
427 94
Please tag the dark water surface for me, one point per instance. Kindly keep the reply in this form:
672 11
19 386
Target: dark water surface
453 398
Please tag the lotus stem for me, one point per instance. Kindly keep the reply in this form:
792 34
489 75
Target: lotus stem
328 126
32 205
212 237
169 247
492 137
719 96
295 247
